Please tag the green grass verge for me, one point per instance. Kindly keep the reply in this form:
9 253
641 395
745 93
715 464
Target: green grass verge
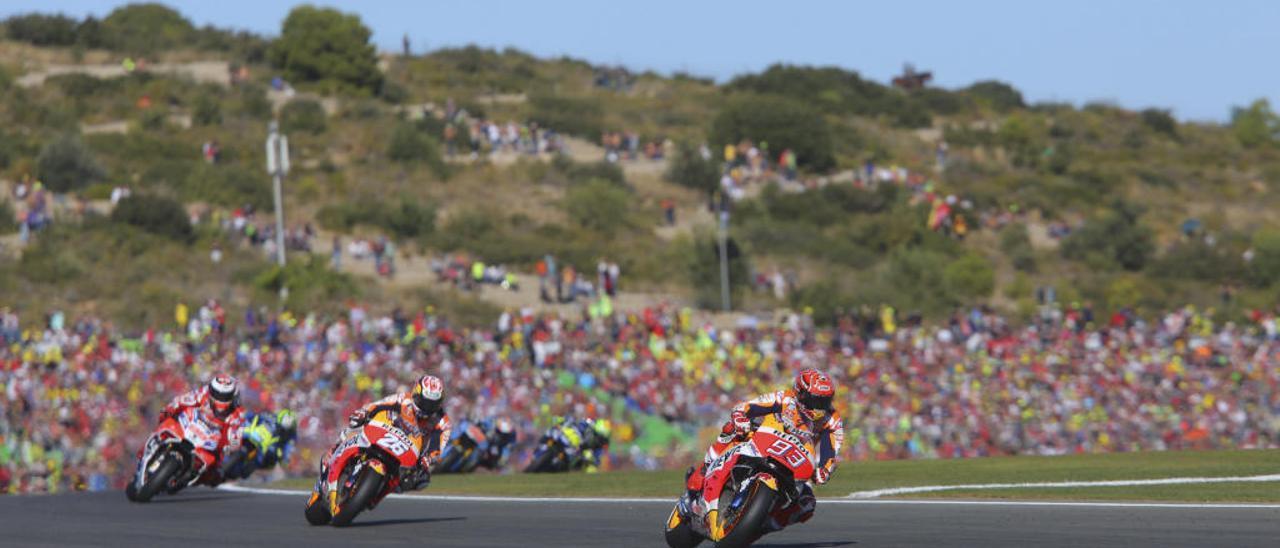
879 475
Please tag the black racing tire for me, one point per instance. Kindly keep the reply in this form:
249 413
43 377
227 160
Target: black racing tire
159 481
748 524
445 466
233 465
681 535
317 511
131 490
541 463
367 486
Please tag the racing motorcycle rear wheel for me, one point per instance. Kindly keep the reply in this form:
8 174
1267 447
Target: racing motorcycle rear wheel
542 463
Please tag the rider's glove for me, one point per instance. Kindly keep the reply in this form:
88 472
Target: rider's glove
821 475
358 417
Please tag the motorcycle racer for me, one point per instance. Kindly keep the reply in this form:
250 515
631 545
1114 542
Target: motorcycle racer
501 436
219 405
275 435
811 399
421 413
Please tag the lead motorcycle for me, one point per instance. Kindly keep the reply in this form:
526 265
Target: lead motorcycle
176 456
744 486
372 458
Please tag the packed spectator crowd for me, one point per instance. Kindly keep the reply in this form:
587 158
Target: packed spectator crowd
79 396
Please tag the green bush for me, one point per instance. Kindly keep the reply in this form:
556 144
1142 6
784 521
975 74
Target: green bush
65 165
310 283
1196 260
999 96
968 278
225 184
591 171
8 221
155 214
689 169
302 115
1264 269
598 205
1160 121
1257 125
253 102
146 28
1015 243
206 111
405 219
783 123
1116 237
580 116
41 30
328 47
411 145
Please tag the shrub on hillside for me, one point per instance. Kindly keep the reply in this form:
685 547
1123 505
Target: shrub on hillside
328 47
411 145
689 169
146 28
598 205
404 219
65 165
206 111
1256 125
580 116
999 96
155 214
303 115
8 222
1160 121
310 282
703 267
1264 269
1196 260
41 30
1015 243
969 278
783 123
1117 237
253 102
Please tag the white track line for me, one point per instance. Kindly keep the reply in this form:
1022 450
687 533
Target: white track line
1058 484
867 502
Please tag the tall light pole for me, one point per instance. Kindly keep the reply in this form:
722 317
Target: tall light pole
724 258
278 166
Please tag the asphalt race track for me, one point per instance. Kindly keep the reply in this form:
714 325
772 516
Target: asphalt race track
217 518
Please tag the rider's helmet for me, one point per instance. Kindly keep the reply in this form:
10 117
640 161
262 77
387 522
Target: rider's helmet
287 420
224 394
428 395
505 428
814 392
602 428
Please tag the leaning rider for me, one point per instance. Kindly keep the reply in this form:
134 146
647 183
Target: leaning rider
421 413
275 435
219 405
812 396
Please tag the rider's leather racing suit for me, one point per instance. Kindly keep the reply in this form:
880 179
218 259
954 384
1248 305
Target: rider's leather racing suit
828 439
434 430
230 427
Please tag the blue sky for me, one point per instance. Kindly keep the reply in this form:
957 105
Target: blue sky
1197 58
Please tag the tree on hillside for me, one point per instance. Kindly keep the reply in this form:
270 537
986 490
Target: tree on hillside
783 123
41 29
326 46
65 165
146 28
690 169
999 96
1117 237
1255 125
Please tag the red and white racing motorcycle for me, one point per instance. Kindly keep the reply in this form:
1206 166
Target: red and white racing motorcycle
181 452
743 487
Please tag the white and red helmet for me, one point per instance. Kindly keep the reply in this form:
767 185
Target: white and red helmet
428 395
814 392
224 394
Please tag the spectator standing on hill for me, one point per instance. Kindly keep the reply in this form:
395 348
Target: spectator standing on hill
669 211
